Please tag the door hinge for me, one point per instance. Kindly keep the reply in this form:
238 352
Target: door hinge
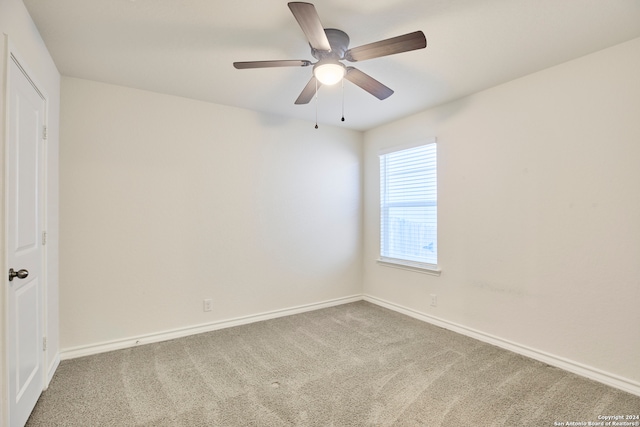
44 343
44 132
44 238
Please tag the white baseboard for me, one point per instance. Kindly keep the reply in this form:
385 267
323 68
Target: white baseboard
595 374
51 369
87 350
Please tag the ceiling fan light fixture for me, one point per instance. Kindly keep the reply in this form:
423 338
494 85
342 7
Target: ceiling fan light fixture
329 72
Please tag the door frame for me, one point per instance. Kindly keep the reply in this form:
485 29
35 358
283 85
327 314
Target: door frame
13 55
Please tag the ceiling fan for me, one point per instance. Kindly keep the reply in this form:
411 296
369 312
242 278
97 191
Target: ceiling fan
330 46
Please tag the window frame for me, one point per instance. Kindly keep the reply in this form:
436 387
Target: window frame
417 266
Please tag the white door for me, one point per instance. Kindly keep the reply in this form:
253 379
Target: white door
24 244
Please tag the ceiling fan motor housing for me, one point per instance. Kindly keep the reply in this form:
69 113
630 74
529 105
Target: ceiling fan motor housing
339 41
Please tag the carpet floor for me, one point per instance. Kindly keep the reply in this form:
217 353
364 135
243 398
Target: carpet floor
352 365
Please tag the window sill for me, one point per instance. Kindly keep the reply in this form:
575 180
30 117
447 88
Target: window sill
418 267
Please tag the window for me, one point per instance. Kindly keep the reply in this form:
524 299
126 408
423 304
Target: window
409 207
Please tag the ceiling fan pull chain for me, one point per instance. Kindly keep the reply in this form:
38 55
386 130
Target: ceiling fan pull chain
316 103
342 100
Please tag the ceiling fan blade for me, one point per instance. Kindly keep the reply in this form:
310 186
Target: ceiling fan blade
269 64
368 83
308 92
405 43
309 21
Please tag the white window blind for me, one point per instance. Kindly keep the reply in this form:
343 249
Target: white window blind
409 206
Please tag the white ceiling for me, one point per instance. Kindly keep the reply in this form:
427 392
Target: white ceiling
187 47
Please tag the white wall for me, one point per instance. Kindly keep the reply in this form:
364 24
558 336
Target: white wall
167 201
19 34
539 212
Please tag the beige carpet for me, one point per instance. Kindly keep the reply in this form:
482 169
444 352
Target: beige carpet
352 365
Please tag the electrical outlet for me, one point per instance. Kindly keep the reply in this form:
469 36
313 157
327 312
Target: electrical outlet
207 305
434 300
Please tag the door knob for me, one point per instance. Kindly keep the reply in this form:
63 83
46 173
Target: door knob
20 274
